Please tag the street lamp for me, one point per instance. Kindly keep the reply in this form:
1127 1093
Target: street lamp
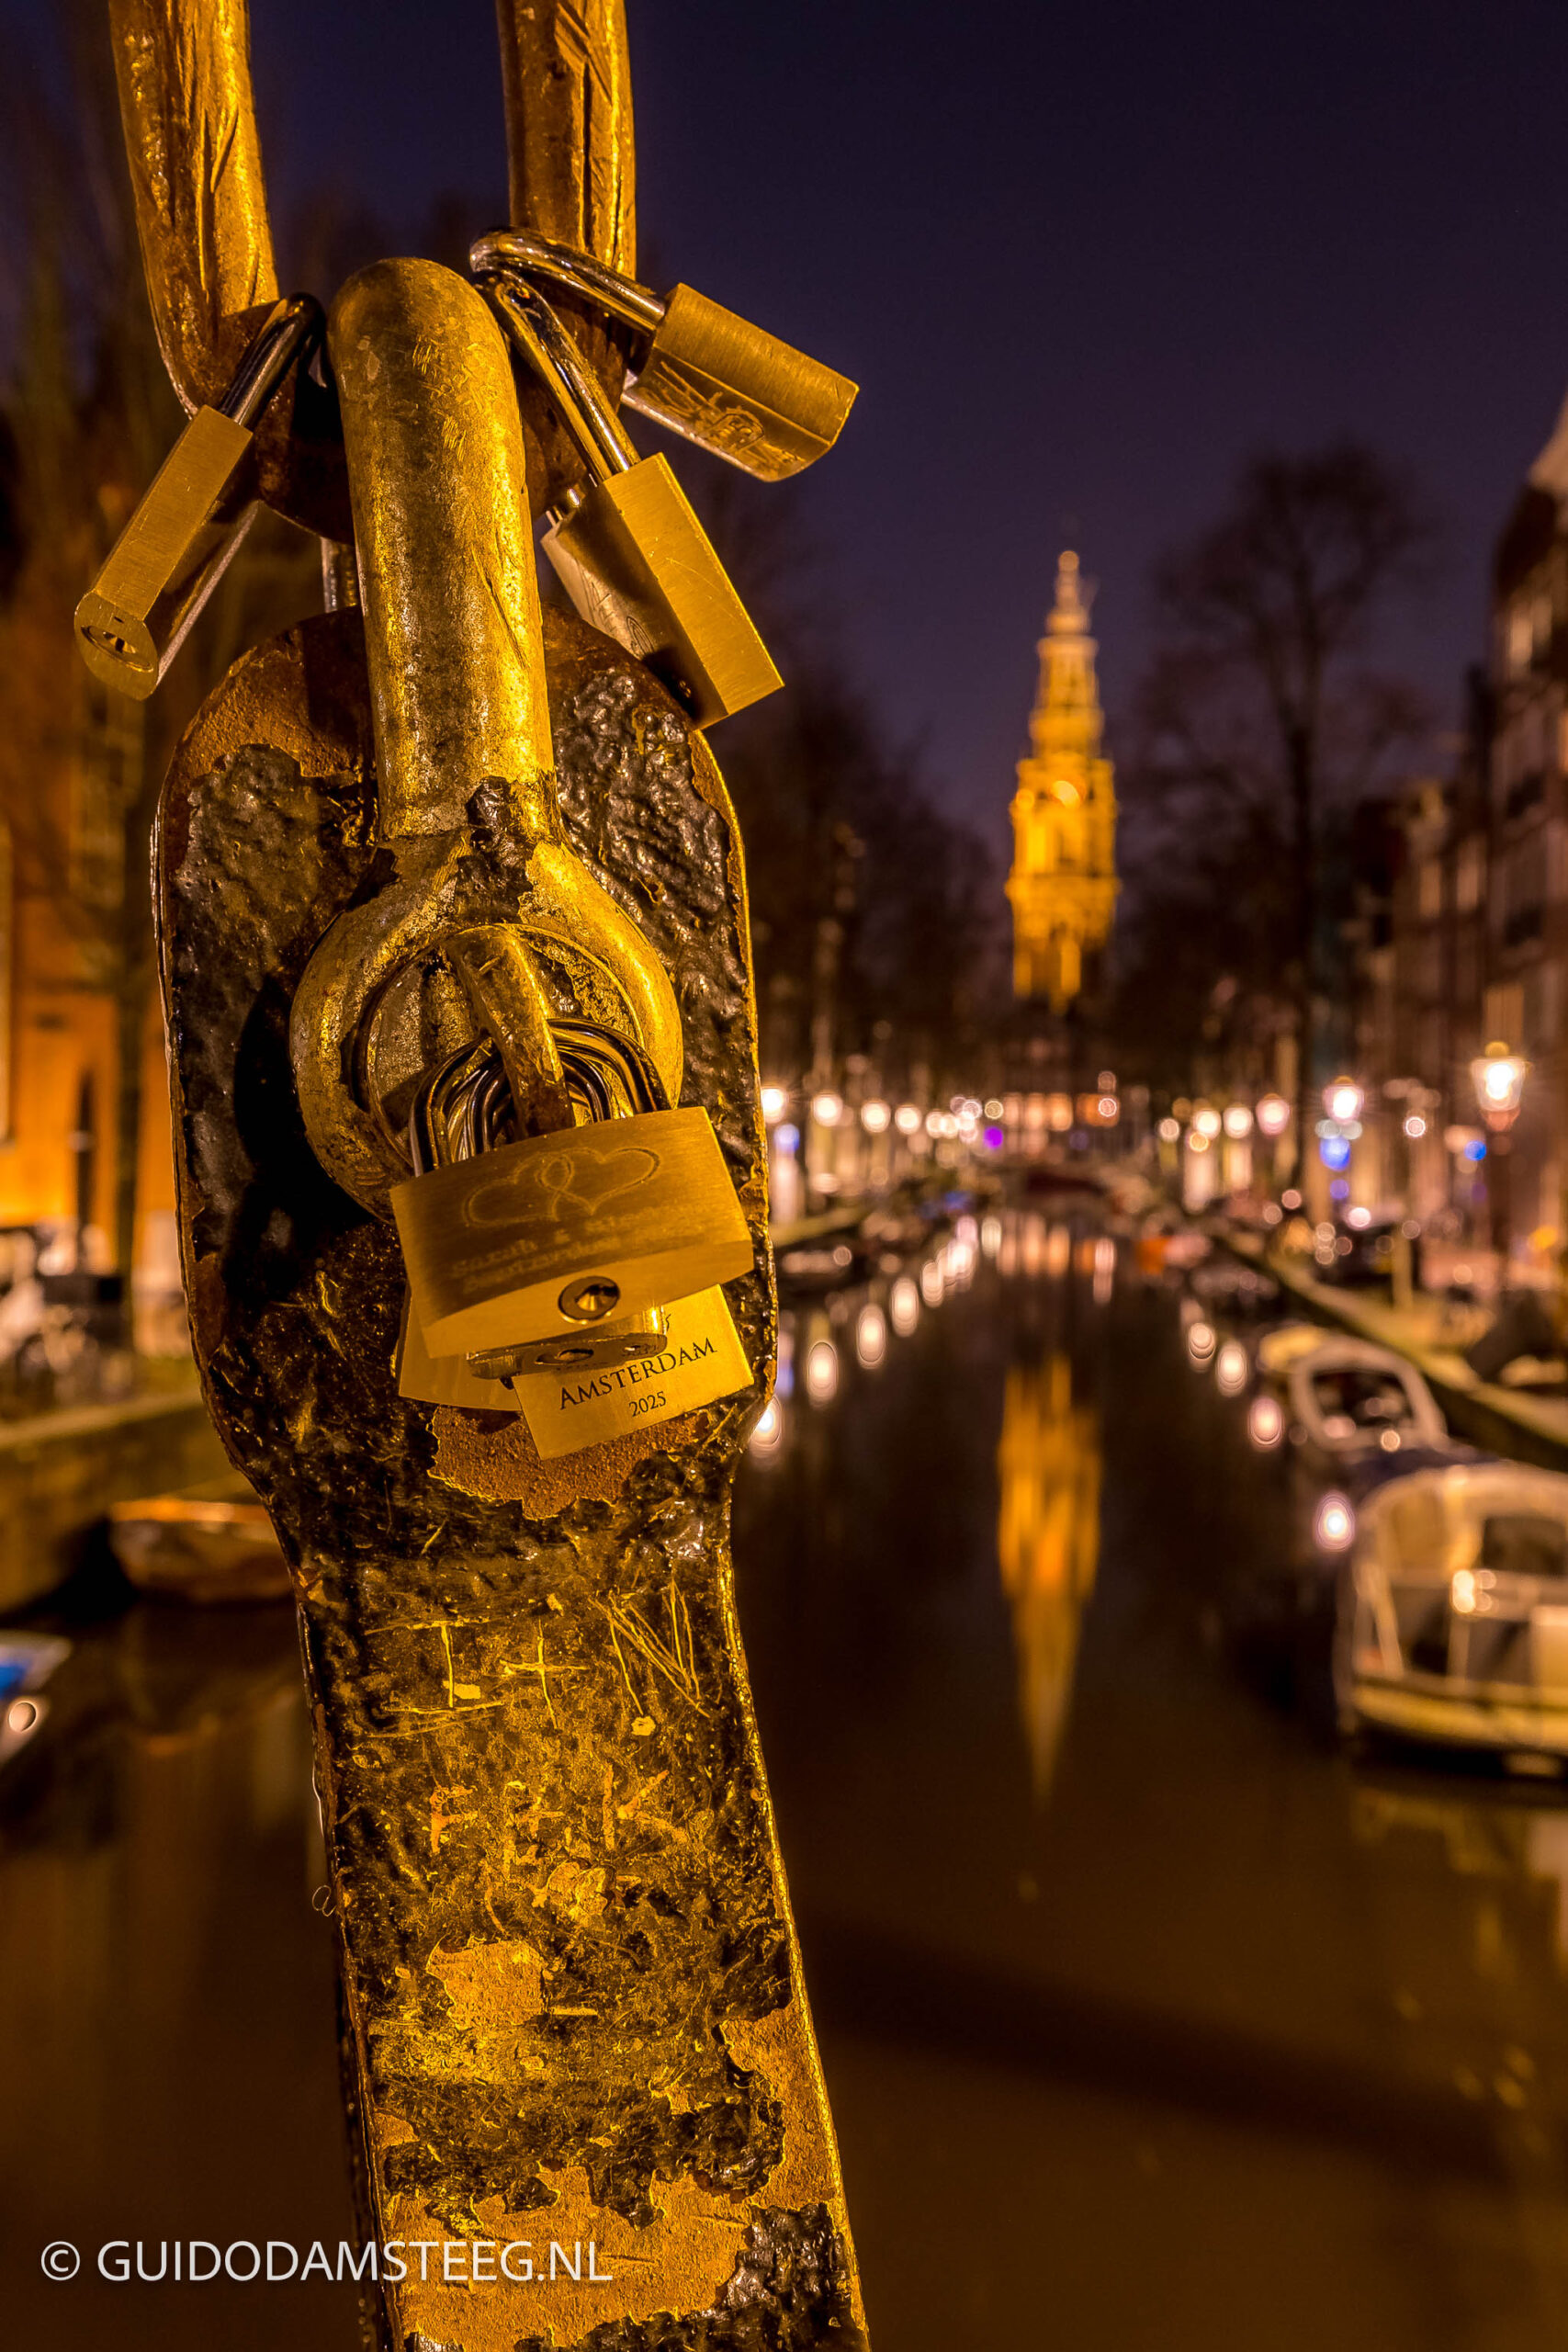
1342 1099
1273 1114
1499 1077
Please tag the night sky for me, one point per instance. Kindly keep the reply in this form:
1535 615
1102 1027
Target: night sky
1082 260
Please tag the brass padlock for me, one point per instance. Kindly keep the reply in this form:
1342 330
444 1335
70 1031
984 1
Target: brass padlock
511 1082
702 370
630 552
554 1237
186 532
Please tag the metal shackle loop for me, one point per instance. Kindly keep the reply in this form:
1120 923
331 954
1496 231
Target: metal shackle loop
292 331
595 429
469 1104
521 252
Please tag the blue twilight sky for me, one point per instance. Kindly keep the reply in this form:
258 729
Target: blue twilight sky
1082 261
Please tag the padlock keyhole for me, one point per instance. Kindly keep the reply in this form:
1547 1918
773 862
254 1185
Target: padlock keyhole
590 1300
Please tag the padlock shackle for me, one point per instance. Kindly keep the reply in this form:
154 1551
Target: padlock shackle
554 357
522 253
296 325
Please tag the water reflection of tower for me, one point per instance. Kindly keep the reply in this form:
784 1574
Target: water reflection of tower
1048 1466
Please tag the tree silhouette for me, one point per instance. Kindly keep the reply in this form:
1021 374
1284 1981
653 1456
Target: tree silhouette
1261 719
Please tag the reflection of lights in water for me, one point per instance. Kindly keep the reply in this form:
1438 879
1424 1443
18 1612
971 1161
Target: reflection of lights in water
931 1281
1047 1542
1058 1249
1230 1369
1546 1856
822 1372
783 1379
1334 1522
1265 1423
1461 1593
871 1336
967 1232
1200 1340
1033 1244
1006 1255
905 1305
991 1236
960 1259
767 1438
1506 1851
1104 1269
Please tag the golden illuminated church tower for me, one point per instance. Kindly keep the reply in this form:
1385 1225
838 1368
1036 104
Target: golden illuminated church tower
1063 884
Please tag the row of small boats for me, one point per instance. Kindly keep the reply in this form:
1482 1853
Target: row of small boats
1441 1571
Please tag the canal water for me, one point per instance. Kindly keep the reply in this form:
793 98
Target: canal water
1151 2019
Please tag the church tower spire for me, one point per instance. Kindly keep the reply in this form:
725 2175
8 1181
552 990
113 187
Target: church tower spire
1063 884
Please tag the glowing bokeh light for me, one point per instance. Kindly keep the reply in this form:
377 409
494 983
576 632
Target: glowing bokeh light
1265 1422
822 1372
1334 1522
871 1336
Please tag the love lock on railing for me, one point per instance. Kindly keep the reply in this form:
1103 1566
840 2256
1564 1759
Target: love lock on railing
406 994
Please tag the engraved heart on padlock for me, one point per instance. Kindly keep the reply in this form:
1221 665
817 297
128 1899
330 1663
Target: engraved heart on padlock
588 1186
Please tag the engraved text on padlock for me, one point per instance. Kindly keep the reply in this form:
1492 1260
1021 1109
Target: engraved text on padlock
561 1231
